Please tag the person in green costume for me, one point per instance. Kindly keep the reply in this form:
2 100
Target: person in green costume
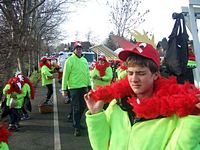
102 73
76 80
47 78
121 70
146 111
15 92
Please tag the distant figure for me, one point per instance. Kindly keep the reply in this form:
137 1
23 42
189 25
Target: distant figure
76 79
121 70
47 78
61 62
15 92
27 102
102 73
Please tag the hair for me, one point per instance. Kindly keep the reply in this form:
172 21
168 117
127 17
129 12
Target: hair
137 60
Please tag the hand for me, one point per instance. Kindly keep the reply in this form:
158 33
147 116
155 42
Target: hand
64 93
93 106
97 78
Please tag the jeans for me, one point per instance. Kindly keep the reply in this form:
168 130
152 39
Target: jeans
78 105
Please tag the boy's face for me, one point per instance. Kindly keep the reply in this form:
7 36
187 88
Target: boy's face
141 80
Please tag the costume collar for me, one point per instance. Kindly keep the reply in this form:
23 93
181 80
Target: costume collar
168 98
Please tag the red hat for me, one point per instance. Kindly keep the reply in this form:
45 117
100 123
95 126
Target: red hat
102 57
43 59
142 49
77 44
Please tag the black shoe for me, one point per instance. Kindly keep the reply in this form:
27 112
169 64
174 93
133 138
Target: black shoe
13 128
77 132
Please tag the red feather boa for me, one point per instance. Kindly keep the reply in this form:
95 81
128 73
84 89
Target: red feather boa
46 64
13 86
168 98
4 133
102 68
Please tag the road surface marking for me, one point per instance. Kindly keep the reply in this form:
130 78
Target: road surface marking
57 145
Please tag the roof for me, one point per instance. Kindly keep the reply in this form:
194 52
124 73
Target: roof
99 49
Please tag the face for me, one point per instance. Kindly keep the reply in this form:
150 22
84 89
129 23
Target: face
101 62
78 51
48 61
141 80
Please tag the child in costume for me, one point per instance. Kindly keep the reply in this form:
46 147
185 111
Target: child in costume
23 79
47 77
121 70
149 112
15 92
102 74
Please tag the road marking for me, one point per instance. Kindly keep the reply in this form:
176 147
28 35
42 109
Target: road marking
57 145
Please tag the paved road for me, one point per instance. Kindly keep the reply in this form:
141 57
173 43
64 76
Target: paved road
48 131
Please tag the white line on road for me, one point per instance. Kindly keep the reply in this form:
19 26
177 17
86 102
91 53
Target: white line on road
57 145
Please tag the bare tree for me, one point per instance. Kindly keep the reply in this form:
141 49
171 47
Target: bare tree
125 15
24 24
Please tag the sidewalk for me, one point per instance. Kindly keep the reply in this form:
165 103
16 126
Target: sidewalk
39 132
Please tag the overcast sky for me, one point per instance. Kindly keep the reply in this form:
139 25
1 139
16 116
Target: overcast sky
93 17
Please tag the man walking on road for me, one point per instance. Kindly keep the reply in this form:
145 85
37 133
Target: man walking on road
76 79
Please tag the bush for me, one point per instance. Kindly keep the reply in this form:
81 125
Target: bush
35 77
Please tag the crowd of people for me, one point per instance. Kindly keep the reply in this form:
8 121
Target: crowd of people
131 103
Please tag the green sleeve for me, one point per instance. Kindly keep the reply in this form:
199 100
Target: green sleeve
186 135
3 146
46 72
93 73
66 73
98 130
7 87
108 75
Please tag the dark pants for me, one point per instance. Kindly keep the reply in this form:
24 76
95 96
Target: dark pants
49 90
14 116
78 105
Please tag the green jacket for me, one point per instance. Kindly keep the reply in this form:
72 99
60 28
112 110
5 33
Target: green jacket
46 75
106 79
20 97
120 73
112 130
76 73
3 146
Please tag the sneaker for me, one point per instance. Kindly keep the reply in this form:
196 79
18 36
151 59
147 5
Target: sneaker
26 117
48 102
13 128
22 118
67 100
77 132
